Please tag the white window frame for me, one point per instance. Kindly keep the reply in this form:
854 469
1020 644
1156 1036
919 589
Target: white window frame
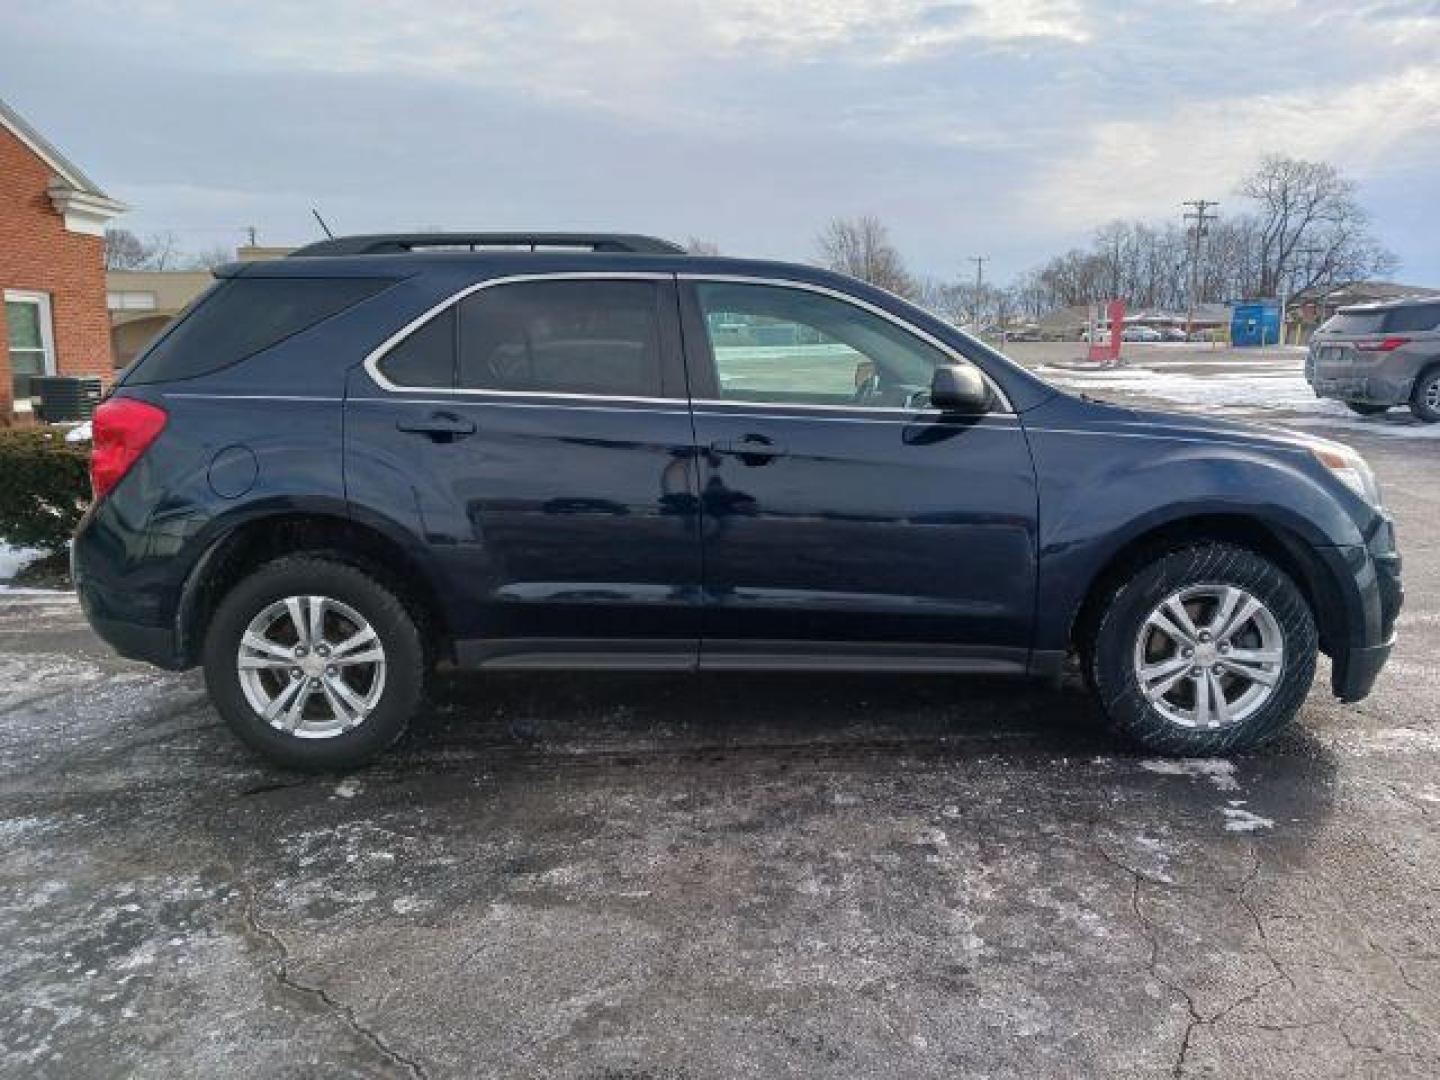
47 333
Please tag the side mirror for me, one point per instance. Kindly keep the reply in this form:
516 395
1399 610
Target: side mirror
959 388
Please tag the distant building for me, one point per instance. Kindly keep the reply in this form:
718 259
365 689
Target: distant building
143 302
1069 323
52 266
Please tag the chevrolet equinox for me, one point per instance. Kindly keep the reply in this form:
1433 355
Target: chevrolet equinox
543 451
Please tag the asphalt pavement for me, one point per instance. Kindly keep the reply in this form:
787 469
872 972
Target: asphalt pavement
631 877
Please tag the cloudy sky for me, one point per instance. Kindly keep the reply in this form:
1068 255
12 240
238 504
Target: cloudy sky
1006 128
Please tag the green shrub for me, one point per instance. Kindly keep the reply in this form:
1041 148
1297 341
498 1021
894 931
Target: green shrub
44 487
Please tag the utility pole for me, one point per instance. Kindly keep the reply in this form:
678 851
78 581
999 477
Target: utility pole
979 261
1200 216
251 230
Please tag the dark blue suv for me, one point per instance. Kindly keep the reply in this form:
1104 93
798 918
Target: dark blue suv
549 451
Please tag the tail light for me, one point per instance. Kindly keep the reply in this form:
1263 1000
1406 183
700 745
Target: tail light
1389 344
121 431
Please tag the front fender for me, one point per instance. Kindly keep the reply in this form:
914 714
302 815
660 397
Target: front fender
1103 487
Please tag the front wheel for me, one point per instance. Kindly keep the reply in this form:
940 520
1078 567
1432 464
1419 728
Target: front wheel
1425 401
314 663
1205 650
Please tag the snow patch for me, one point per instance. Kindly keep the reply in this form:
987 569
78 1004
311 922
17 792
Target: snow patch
1276 385
1238 819
1218 771
347 789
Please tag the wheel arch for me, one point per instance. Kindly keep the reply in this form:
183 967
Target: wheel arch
1426 369
258 539
1270 540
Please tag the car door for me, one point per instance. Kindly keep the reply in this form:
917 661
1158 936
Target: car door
844 521
537 429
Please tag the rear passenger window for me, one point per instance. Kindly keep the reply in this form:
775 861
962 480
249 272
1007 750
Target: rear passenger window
575 337
1355 322
1414 318
244 316
427 357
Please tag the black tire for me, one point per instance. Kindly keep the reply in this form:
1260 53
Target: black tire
1366 408
1110 657
406 667
1427 390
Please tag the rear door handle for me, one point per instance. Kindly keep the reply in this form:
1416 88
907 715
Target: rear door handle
440 426
751 449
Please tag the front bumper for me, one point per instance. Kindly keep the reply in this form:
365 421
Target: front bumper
1377 597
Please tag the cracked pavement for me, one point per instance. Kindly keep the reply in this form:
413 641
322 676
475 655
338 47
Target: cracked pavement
720 876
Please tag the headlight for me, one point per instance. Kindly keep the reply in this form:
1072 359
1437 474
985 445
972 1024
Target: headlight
1350 469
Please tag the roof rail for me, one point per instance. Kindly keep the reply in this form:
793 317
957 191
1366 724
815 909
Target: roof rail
401 243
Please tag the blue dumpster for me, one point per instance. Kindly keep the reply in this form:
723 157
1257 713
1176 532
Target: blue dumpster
1255 322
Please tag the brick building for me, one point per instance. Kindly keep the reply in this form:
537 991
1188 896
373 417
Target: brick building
52 266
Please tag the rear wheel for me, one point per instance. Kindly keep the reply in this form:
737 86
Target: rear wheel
1366 408
1205 650
1425 400
314 663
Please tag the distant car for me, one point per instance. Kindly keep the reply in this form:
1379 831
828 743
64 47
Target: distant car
1173 333
1200 335
1374 356
1140 333
1099 336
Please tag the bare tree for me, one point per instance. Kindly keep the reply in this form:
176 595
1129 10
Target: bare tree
124 250
861 247
1312 226
164 251
964 303
211 257
1309 229
696 246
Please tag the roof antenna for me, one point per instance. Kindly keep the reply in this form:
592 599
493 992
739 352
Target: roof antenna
321 220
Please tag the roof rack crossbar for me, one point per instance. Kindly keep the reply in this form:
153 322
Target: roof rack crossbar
401 243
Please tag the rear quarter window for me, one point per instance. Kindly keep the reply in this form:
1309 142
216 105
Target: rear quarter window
1416 318
1356 322
240 317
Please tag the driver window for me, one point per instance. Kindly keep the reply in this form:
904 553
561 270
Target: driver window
775 344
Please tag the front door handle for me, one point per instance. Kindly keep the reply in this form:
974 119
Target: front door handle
751 449
440 426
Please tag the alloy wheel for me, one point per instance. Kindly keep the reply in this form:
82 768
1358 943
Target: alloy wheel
311 666
1209 656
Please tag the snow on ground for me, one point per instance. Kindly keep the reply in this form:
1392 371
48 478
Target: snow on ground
1274 385
12 559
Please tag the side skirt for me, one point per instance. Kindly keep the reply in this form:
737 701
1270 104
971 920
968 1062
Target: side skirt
638 654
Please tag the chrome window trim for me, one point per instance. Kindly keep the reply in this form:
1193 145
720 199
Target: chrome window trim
677 406
1009 421
863 305
371 362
